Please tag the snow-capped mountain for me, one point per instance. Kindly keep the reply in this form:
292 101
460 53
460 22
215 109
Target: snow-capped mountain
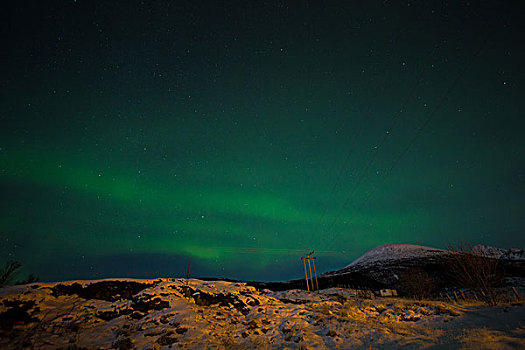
388 252
393 252
388 264
499 253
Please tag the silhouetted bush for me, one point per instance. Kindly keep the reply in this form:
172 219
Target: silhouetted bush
476 271
30 279
416 283
8 272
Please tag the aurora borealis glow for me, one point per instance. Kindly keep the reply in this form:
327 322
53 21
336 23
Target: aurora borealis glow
136 137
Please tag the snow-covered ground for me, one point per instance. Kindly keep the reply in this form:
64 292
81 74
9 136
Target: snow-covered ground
195 314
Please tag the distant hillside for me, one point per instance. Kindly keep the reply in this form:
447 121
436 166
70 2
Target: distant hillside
386 263
387 252
499 253
382 267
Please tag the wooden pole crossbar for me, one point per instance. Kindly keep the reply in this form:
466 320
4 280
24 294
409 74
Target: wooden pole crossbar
310 278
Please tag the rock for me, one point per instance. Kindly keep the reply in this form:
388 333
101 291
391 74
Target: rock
105 290
253 324
253 302
148 305
331 333
16 314
153 333
166 340
136 315
123 344
411 317
207 299
181 330
107 315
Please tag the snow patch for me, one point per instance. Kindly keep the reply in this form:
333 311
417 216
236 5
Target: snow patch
499 253
396 252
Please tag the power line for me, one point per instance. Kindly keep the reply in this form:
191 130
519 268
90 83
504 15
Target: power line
351 149
416 136
345 163
248 250
371 161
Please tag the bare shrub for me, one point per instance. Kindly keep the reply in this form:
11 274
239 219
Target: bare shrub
7 273
417 283
476 271
30 279
364 294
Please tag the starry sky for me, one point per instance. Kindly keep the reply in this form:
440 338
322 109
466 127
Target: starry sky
140 138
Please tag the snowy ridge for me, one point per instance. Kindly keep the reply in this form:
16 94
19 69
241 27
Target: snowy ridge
384 265
499 253
396 252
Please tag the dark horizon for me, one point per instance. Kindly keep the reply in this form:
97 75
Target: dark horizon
241 136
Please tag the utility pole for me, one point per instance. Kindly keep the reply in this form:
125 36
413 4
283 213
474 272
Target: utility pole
310 268
315 273
305 273
309 256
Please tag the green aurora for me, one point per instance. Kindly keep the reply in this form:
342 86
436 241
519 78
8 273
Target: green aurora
138 139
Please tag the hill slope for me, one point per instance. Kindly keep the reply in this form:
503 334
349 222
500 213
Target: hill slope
385 264
388 252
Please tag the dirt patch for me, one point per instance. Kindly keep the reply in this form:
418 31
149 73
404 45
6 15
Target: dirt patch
123 344
202 298
109 315
166 340
18 313
144 305
106 290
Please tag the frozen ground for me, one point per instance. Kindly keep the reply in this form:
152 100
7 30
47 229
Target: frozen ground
194 314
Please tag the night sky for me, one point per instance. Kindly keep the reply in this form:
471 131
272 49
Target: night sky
137 138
